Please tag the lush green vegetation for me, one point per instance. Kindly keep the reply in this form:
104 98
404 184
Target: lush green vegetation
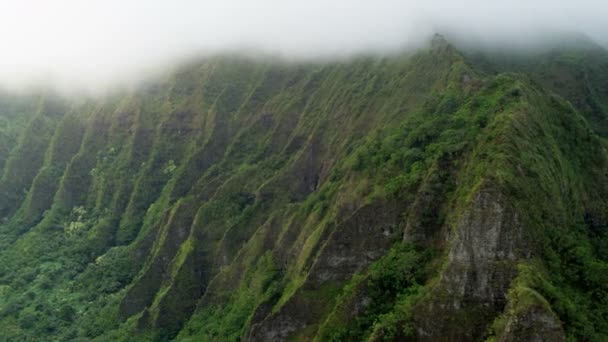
390 286
239 198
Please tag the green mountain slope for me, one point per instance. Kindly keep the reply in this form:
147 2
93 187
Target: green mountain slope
575 67
421 196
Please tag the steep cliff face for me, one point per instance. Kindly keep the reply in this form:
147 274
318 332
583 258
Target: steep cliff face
405 197
482 261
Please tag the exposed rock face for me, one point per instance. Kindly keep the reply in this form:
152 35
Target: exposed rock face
361 239
295 315
352 246
489 242
536 324
188 284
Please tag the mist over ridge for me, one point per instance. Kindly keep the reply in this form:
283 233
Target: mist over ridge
96 45
303 171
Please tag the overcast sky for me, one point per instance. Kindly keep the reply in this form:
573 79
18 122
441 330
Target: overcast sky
96 43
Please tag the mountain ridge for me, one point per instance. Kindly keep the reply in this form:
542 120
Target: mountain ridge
345 201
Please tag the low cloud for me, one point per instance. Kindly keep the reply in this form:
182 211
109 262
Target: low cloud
92 45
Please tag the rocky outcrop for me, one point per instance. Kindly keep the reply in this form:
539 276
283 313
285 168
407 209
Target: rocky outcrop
350 248
535 324
488 243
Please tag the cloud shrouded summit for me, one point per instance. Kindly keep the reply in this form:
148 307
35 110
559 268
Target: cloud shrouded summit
93 44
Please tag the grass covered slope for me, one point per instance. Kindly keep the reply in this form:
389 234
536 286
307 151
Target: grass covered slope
411 196
576 68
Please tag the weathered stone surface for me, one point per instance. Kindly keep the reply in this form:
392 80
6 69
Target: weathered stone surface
488 243
350 248
357 242
536 324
